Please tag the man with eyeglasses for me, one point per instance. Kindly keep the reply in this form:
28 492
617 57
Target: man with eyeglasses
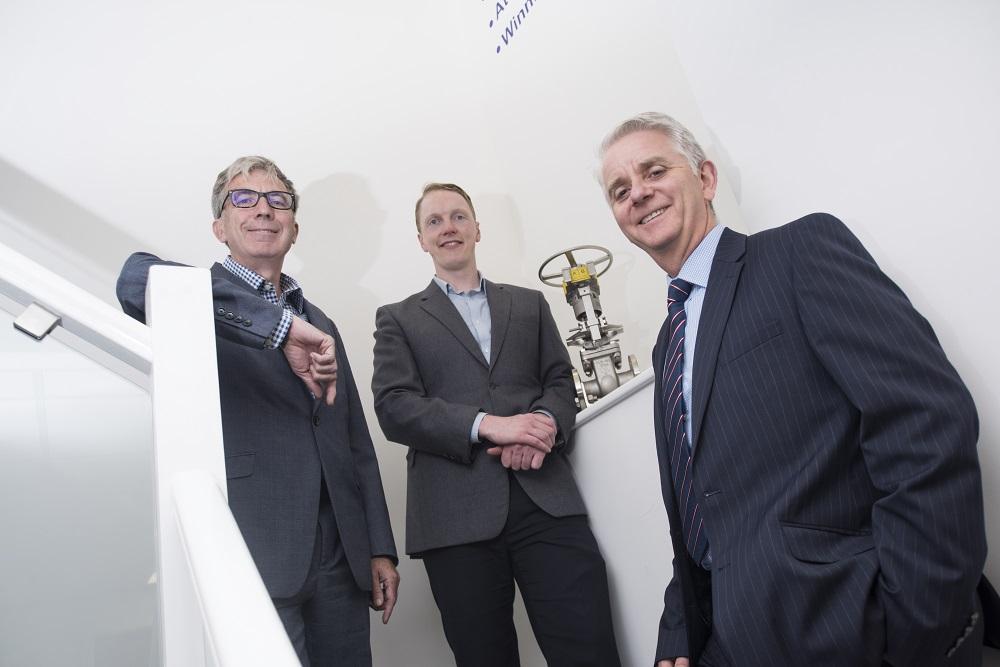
303 480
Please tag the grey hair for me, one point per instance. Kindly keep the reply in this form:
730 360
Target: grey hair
242 167
683 140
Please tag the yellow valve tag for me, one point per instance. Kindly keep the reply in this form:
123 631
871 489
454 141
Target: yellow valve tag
579 274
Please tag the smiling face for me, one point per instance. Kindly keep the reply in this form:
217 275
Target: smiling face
659 203
448 232
258 237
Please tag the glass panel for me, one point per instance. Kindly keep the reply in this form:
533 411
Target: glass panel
77 561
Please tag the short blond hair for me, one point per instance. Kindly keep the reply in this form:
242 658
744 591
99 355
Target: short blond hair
448 187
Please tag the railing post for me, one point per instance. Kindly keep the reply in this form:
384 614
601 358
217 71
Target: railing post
187 434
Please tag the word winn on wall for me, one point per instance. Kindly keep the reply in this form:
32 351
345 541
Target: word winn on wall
507 18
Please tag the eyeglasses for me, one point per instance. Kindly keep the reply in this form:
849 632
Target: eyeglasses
248 199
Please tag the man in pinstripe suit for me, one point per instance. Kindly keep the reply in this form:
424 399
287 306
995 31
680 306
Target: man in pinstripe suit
817 450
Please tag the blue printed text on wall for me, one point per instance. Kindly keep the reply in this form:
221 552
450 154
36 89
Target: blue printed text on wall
507 17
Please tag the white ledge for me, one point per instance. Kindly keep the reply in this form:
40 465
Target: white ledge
615 397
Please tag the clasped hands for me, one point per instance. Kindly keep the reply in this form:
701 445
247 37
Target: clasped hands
521 441
311 354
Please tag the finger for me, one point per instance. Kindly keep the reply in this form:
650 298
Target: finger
323 377
322 363
325 362
518 460
534 441
377 594
536 460
312 385
390 601
546 437
494 451
328 345
330 393
505 456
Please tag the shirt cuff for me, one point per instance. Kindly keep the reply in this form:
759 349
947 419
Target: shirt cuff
549 415
277 337
474 435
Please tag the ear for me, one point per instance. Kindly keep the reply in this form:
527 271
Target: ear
219 230
709 180
295 233
420 240
479 234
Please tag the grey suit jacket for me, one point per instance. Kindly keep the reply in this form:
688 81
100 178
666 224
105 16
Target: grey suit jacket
280 442
834 461
431 381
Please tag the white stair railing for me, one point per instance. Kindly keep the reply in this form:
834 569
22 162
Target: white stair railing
226 578
210 593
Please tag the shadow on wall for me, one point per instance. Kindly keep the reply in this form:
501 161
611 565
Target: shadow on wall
501 252
340 230
62 222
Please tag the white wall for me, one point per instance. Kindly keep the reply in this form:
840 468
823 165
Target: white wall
118 115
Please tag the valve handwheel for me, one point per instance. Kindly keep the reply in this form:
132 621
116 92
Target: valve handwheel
555 279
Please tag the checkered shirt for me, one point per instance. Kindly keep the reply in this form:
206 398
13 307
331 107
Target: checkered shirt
291 300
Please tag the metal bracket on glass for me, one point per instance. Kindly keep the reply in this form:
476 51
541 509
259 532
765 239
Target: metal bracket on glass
36 322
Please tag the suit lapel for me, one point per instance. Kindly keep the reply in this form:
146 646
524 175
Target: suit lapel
499 302
434 301
722 281
316 317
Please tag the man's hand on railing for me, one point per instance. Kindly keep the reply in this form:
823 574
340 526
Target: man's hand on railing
311 356
385 583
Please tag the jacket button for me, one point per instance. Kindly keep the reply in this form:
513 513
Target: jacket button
221 311
229 316
246 323
315 420
238 319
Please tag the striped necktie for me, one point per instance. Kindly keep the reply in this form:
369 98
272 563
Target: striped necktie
674 426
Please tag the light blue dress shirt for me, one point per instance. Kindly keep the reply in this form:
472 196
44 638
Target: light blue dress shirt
475 311
696 271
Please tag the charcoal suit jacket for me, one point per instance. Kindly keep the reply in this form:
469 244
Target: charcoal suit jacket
430 382
834 460
280 442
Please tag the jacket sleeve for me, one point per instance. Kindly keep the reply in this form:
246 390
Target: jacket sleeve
369 478
405 412
671 641
227 299
556 373
918 436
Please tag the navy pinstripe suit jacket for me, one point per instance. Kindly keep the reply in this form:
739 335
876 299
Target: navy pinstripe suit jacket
835 461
